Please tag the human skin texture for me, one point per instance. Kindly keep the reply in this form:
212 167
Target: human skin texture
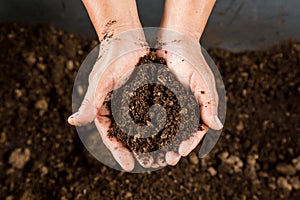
114 17
111 19
188 18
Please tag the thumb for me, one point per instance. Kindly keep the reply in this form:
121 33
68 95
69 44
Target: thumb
87 111
208 101
207 97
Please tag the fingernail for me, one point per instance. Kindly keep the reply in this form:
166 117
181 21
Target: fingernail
217 124
71 118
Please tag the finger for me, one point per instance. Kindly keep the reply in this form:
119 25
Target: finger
161 159
121 154
172 158
145 160
190 144
207 97
87 111
208 113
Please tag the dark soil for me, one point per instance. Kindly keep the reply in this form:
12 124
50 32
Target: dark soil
143 126
42 157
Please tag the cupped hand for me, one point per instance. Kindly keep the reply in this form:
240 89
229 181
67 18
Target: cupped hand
118 56
186 61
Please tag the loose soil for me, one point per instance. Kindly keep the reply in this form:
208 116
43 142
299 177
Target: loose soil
143 126
42 157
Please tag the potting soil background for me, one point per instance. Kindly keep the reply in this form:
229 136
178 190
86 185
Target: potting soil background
42 157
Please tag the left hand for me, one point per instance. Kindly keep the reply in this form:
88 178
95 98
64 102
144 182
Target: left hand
117 59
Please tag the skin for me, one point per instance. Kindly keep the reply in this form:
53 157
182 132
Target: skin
189 18
123 14
110 19
119 67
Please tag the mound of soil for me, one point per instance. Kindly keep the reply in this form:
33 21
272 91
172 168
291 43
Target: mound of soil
142 125
42 157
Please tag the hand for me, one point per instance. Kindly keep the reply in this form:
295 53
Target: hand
185 60
117 58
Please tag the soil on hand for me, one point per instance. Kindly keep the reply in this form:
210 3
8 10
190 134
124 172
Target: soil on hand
139 122
42 157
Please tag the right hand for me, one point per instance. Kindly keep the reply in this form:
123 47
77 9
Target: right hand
185 60
118 57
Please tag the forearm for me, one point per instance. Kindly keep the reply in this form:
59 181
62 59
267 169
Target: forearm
112 16
188 17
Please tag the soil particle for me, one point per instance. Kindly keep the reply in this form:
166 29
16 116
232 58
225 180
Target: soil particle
68 46
234 162
30 58
295 181
41 66
110 22
194 158
44 171
128 195
27 195
286 169
41 105
240 126
272 186
70 65
19 157
296 162
3 138
212 171
9 197
283 183
250 169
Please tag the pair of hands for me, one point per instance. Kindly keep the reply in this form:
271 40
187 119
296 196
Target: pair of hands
118 56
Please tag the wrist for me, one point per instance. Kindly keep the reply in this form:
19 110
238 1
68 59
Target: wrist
113 26
191 34
188 17
113 16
